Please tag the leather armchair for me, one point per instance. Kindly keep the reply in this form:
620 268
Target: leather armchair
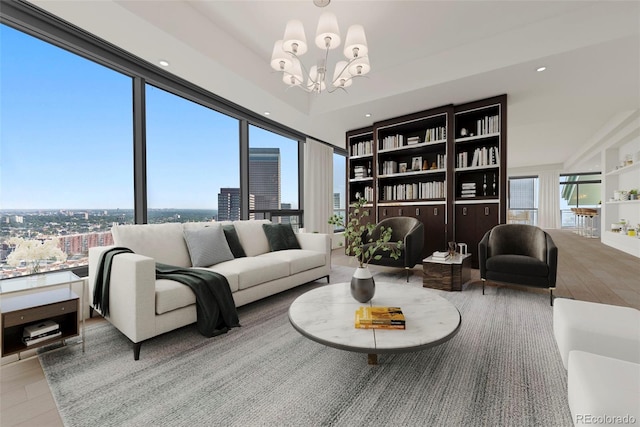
518 253
407 230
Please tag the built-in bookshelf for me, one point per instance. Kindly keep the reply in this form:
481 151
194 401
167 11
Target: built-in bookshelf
412 157
621 164
360 170
480 170
424 164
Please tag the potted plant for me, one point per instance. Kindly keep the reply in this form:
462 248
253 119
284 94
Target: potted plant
633 194
356 235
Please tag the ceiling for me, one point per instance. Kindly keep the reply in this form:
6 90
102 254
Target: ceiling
423 54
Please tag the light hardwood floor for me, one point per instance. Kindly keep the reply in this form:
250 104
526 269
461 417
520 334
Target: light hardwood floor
587 270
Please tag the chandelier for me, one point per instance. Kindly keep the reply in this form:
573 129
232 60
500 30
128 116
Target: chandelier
287 52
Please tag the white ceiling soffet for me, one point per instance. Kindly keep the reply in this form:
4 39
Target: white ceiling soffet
423 54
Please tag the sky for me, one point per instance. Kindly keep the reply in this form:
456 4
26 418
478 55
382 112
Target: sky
66 137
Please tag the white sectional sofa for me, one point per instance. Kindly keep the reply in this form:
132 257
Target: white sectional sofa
142 307
600 348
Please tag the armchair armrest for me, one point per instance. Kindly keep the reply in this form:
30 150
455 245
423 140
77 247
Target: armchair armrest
552 260
482 254
413 245
132 299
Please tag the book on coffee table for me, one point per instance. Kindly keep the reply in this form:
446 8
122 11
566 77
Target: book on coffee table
380 318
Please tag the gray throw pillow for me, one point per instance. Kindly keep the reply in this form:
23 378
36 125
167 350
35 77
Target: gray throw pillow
281 237
207 246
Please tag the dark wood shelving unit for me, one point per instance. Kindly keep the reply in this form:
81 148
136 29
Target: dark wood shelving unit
430 186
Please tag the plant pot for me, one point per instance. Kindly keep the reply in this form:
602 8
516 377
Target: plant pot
362 285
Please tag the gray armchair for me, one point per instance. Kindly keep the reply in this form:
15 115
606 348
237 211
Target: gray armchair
407 230
518 253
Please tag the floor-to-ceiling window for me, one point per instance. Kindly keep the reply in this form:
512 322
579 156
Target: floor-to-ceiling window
273 177
339 187
193 168
578 191
92 137
66 151
523 200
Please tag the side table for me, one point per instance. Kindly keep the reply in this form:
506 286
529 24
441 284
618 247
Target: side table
60 305
446 275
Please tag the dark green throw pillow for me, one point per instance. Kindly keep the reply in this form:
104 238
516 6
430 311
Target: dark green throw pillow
281 237
234 242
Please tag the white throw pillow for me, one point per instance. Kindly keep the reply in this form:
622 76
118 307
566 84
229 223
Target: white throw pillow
252 237
162 242
207 246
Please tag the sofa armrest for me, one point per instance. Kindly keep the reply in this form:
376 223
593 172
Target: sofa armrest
318 242
132 298
552 260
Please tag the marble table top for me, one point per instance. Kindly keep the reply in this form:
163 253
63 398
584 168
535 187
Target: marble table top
327 315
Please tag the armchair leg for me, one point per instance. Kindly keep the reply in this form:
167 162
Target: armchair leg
483 280
407 270
551 296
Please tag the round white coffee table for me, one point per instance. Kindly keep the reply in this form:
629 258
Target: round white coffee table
327 315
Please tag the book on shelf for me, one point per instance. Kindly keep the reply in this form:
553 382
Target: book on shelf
36 329
39 338
413 140
380 318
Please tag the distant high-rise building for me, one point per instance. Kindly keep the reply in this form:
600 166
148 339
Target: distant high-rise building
336 201
229 204
264 177
285 219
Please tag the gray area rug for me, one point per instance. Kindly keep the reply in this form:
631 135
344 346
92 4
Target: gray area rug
501 369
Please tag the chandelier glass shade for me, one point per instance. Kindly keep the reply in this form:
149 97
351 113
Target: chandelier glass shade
286 56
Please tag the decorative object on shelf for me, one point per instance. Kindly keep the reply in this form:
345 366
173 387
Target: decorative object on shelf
286 55
493 185
362 283
402 167
416 163
633 194
620 195
33 253
463 132
484 184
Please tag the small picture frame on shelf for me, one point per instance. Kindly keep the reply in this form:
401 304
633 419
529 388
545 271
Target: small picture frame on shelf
416 163
402 167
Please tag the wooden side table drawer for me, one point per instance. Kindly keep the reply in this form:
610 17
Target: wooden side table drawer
36 314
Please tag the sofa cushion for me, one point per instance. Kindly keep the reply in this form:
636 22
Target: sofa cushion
233 241
162 242
252 271
207 246
172 295
280 237
252 237
298 259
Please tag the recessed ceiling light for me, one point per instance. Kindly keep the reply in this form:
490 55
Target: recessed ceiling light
368 115
267 113
163 63
541 69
